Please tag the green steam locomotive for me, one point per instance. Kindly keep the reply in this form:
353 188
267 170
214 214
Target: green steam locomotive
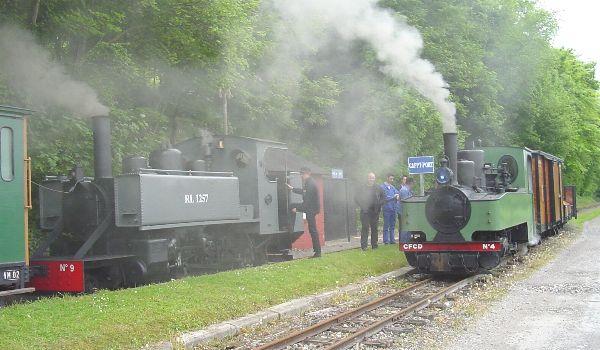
487 202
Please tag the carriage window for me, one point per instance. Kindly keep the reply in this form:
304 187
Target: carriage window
7 168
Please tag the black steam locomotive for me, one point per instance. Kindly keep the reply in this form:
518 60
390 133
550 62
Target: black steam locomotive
206 204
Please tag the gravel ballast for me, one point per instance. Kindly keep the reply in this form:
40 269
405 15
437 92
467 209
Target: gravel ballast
557 308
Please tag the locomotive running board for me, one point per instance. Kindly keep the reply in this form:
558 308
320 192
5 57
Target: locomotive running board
17 291
198 223
453 247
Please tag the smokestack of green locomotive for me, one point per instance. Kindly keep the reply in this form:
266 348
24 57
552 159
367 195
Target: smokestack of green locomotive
451 151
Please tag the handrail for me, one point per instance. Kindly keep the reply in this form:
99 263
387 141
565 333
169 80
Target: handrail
185 172
29 202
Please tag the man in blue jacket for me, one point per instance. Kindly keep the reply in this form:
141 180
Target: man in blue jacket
390 209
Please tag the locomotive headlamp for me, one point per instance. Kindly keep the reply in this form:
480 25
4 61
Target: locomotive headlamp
443 176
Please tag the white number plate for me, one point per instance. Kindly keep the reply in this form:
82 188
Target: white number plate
11 275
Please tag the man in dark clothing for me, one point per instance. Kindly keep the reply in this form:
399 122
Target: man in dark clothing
311 206
369 197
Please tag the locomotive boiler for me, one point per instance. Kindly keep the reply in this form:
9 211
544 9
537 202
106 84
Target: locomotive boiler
487 202
205 204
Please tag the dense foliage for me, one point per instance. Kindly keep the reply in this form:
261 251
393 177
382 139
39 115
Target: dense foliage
165 66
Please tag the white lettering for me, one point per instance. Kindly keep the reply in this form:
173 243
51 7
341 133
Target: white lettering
11 275
195 198
412 246
202 198
66 267
422 165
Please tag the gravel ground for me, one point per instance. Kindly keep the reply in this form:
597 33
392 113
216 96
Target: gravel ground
557 308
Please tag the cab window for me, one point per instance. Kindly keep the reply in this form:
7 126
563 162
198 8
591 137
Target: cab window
7 161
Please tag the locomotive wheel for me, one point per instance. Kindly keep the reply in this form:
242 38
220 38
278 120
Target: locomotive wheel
246 252
242 251
134 273
260 255
522 249
91 283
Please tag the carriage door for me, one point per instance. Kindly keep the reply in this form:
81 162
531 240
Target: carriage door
12 192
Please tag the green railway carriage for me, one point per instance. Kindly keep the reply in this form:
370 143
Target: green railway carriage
488 202
15 201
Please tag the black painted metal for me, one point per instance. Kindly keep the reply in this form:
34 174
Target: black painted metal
448 210
451 151
51 237
340 216
102 148
101 229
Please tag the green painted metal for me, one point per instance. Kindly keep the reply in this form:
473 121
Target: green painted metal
507 210
12 196
492 212
493 155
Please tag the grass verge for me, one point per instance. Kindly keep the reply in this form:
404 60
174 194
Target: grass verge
586 202
586 215
131 318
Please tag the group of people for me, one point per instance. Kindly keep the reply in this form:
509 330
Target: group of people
372 199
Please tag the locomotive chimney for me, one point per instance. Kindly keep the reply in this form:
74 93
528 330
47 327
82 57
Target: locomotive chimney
451 151
102 150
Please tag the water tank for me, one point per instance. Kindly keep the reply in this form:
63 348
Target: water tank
466 172
133 164
198 165
477 157
167 159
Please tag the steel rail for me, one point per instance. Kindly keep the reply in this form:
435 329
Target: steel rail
376 327
326 324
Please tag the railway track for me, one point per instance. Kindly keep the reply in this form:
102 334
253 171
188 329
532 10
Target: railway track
355 326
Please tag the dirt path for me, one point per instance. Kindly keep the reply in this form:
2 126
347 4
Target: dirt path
557 308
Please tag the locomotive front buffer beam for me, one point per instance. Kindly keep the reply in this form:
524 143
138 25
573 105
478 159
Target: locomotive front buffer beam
460 258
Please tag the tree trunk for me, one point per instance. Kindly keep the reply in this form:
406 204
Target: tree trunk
173 133
35 9
225 94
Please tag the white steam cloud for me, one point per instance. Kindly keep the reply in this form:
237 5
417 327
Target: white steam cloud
31 71
397 44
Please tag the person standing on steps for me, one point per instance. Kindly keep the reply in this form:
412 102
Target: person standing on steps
399 204
311 206
369 198
405 192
